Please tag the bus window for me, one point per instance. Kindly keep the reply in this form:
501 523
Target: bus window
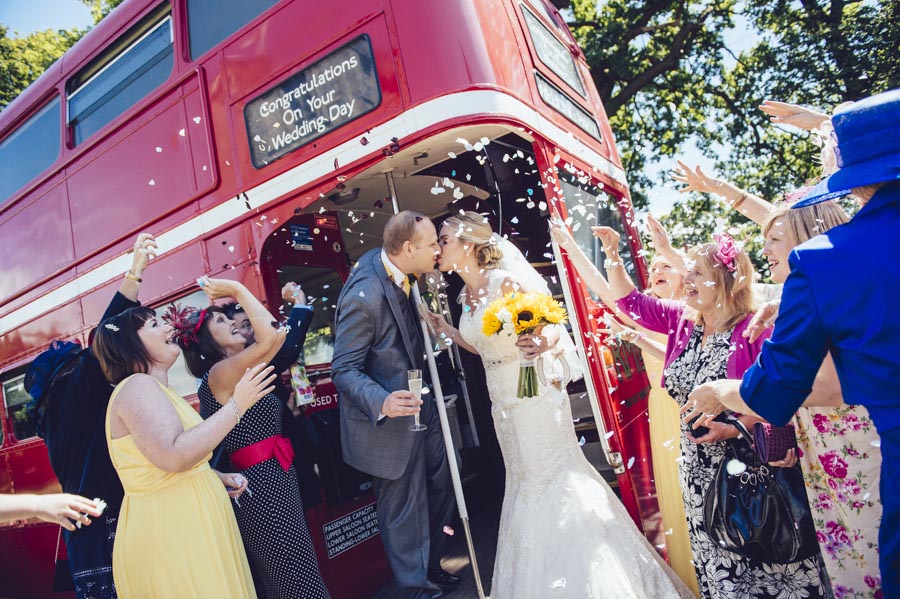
17 400
133 66
322 287
180 378
589 206
211 21
30 149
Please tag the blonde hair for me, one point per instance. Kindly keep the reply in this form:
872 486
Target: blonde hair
734 289
474 228
805 223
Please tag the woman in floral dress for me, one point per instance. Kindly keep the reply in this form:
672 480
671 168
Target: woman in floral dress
840 448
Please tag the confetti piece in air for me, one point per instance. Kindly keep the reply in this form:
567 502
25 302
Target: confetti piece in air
151 182
158 149
112 327
181 132
362 294
630 462
449 531
582 441
558 584
197 120
231 248
610 434
875 443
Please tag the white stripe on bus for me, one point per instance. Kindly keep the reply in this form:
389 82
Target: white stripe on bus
421 117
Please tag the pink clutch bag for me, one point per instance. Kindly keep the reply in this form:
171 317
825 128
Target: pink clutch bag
773 442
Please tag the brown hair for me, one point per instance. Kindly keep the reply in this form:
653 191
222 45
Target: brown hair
474 228
117 346
399 229
204 353
802 224
734 289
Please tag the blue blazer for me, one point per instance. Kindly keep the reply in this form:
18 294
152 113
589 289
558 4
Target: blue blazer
838 298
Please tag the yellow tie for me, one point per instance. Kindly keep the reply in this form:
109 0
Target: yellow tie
405 286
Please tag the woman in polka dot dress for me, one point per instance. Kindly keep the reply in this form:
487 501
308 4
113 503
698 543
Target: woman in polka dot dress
270 516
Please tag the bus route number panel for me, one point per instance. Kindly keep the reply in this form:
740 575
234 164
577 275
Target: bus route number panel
338 89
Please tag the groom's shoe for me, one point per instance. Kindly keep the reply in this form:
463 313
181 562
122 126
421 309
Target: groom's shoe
443 578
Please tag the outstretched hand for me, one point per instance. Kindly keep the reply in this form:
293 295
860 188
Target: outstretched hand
218 288
783 113
145 249
560 233
292 294
694 179
658 235
763 319
65 509
609 238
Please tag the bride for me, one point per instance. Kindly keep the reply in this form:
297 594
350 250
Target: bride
563 533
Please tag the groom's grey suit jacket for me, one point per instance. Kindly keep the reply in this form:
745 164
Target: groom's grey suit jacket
377 339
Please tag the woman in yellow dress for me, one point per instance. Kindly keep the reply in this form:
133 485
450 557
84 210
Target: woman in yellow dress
177 535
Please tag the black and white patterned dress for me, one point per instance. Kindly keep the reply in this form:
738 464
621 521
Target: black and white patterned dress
273 528
720 573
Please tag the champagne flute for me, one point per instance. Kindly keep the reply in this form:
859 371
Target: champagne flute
415 385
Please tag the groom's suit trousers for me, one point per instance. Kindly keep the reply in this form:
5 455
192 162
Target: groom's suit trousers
413 509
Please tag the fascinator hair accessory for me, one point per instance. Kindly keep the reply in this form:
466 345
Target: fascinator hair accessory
185 322
726 251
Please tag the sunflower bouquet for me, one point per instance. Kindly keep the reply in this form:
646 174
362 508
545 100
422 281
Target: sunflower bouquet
520 313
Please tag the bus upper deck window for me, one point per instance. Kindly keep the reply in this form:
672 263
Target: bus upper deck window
17 400
211 21
30 149
126 72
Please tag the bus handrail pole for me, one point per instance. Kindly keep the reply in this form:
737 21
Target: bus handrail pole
442 415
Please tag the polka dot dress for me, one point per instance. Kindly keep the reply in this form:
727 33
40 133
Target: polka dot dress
271 521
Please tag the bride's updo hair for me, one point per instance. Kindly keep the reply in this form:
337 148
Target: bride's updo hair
472 227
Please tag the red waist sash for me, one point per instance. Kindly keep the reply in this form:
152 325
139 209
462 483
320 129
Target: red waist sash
276 446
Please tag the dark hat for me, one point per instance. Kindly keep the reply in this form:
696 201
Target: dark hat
868 147
40 374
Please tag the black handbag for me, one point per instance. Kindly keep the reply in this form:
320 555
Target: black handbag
758 511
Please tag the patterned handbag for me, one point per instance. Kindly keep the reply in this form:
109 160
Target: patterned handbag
773 442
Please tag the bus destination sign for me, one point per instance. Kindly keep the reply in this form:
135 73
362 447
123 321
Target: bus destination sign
340 88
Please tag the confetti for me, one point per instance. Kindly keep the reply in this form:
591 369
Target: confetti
112 327
158 149
151 182
181 132
558 584
449 531
630 462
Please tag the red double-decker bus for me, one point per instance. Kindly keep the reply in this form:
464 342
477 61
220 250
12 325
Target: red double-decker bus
266 142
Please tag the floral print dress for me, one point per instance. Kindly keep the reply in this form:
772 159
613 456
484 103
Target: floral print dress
720 573
841 459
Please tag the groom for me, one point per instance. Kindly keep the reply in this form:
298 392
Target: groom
377 339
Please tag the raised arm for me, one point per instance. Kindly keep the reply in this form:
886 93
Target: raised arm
226 373
594 279
783 113
147 414
753 207
298 323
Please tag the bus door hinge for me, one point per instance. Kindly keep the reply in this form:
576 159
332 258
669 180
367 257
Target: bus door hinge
615 460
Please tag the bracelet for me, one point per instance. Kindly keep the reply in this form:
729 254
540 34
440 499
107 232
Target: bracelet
129 274
737 201
237 411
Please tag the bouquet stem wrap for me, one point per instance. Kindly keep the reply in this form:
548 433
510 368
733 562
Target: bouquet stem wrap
528 378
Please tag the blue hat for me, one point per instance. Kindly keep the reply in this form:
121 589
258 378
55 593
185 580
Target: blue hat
868 150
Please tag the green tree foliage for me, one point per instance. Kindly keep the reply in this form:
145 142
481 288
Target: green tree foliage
666 75
24 59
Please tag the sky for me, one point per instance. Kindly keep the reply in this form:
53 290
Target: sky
28 16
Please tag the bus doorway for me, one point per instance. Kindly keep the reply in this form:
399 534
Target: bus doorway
492 169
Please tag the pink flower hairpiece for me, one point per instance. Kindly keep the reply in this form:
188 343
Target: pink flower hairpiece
185 322
726 251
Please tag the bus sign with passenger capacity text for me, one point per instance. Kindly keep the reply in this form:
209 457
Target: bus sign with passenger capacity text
338 89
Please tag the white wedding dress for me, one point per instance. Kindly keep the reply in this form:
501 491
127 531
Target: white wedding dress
563 533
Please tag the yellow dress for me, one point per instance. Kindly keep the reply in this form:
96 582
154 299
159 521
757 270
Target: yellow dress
665 441
177 536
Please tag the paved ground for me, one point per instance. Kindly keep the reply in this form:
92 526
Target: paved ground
484 535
